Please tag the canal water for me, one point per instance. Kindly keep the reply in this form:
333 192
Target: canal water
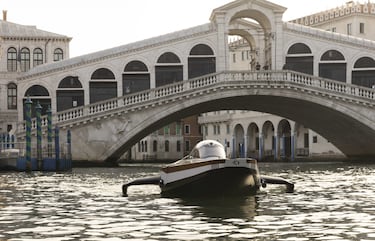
332 201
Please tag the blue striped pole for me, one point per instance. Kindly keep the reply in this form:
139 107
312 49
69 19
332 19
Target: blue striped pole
38 109
8 141
57 147
28 104
12 141
49 131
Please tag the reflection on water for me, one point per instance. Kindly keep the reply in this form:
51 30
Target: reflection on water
332 201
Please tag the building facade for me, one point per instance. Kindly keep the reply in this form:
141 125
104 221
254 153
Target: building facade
23 48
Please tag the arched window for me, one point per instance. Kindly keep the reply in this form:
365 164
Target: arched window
12 60
37 57
135 77
12 96
201 61
268 139
103 85
166 146
300 59
38 93
364 72
168 69
253 143
155 146
333 66
284 129
102 73
364 62
299 48
70 93
25 59
58 55
201 49
332 55
168 57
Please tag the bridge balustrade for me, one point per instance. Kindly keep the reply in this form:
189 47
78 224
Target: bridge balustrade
266 78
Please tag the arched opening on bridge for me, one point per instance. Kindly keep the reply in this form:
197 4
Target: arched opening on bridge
300 58
253 47
103 85
333 66
69 93
37 94
363 72
201 61
268 140
168 69
239 141
253 140
284 129
135 78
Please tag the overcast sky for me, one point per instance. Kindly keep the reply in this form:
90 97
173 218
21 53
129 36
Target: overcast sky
95 25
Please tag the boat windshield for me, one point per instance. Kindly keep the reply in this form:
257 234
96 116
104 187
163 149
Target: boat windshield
207 150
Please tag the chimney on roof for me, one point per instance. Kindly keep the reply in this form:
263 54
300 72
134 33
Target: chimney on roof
4 15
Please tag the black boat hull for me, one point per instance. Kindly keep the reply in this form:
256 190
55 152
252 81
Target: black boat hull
227 181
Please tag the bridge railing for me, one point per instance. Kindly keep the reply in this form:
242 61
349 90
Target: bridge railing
264 77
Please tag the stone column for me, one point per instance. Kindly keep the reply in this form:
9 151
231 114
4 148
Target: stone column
222 42
261 147
246 146
277 146
292 144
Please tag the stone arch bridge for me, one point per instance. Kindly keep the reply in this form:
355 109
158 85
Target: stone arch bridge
340 112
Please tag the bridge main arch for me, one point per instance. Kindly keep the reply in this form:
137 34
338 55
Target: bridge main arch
346 127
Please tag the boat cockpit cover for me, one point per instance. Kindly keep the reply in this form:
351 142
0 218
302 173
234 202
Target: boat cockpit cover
208 150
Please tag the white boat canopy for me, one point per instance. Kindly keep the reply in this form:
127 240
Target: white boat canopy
208 149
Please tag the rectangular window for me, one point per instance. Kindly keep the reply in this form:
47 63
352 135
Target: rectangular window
12 97
187 129
362 28
178 146
187 146
315 139
166 146
334 29
306 140
206 130
234 58
166 130
178 129
243 55
218 129
214 129
228 129
349 29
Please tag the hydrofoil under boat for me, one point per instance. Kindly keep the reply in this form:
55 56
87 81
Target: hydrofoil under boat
206 171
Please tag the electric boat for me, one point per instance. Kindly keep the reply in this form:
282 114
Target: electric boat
206 171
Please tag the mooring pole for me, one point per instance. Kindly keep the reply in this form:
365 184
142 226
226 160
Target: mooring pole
39 157
57 148
49 131
69 147
28 104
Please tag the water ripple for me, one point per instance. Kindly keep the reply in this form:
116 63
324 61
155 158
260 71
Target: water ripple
331 202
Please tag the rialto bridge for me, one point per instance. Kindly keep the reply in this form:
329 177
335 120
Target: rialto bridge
113 98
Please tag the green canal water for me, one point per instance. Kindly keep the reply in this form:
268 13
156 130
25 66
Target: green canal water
332 201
